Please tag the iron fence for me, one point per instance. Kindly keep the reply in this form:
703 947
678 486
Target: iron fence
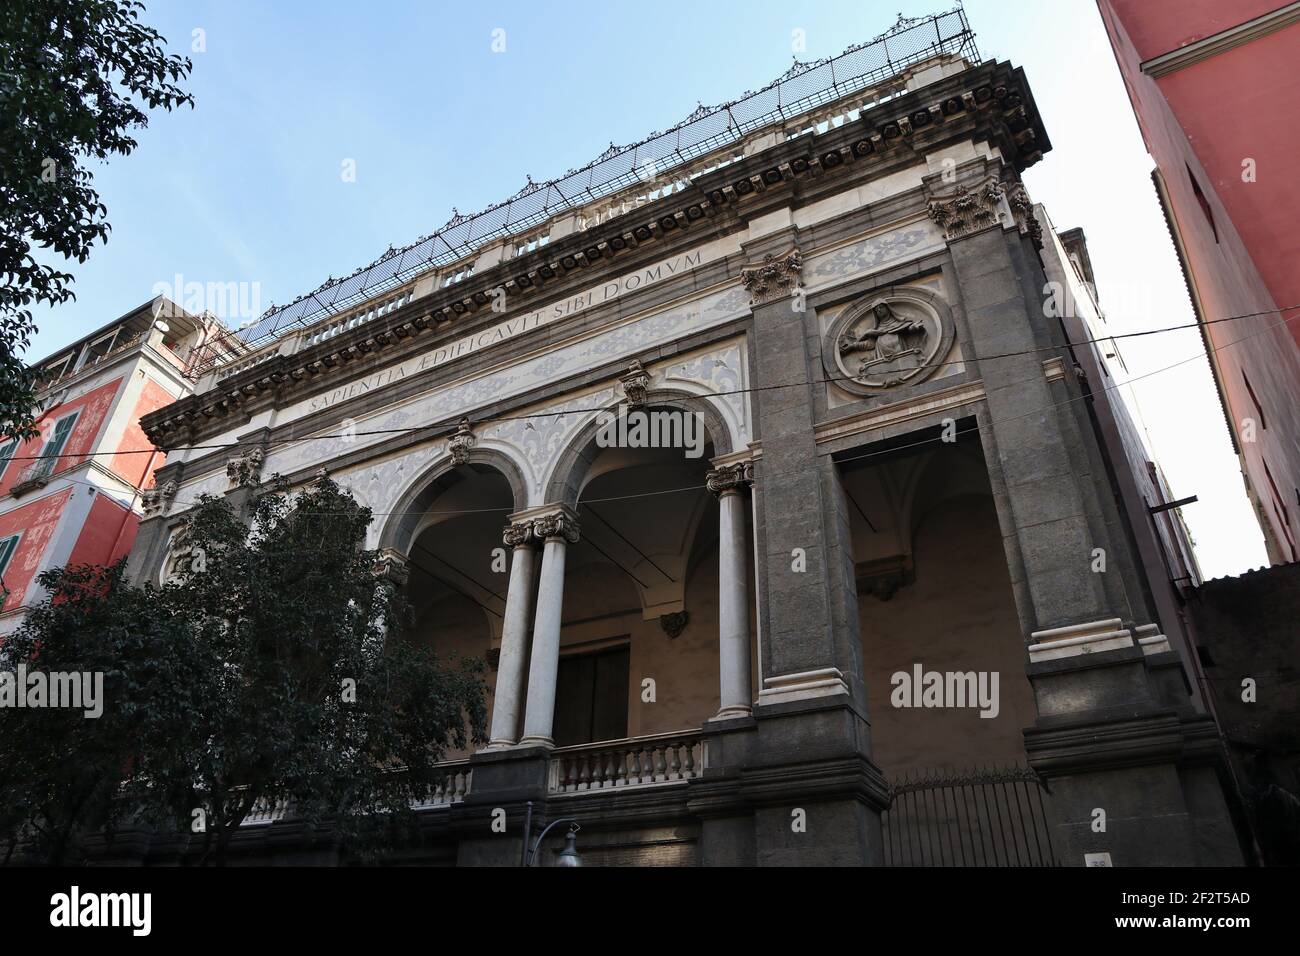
985 817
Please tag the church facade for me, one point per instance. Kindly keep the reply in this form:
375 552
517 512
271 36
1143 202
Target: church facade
875 598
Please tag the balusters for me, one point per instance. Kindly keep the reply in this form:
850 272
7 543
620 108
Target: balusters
634 764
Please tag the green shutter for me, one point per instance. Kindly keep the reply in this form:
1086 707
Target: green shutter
61 432
7 454
7 548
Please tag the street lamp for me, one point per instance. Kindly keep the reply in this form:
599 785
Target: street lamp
568 856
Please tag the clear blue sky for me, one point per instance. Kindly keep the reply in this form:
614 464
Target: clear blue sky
247 187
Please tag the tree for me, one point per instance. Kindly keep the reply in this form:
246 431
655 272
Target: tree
60 770
270 668
74 76
308 693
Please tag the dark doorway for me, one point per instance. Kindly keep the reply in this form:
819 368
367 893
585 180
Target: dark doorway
591 697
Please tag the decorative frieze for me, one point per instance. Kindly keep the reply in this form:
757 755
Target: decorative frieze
246 469
775 277
733 477
968 211
461 443
635 384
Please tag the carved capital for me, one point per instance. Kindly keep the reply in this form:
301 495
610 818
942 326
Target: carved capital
635 384
968 211
1022 207
673 624
560 524
773 278
246 469
518 535
392 566
155 500
459 444
730 478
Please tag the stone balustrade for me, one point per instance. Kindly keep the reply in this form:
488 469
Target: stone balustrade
634 762
451 787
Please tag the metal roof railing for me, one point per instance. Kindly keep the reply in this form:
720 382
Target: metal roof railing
804 87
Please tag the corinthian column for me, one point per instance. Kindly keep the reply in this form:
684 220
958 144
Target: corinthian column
506 702
557 530
728 483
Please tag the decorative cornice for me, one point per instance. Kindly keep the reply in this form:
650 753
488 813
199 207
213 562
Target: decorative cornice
1221 42
730 478
775 277
990 96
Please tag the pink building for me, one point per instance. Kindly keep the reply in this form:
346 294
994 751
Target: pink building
62 500
1214 86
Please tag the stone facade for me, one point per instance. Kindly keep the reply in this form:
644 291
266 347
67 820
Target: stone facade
855 318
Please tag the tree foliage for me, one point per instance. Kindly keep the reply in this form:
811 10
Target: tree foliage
60 771
76 78
286 679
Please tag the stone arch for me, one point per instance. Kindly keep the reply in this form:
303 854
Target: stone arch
404 523
939 478
569 470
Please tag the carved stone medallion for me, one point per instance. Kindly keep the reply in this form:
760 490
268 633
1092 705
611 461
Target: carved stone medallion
887 341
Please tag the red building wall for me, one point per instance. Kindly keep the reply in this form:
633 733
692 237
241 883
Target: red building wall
108 533
1239 238
94 406
139 466
36 521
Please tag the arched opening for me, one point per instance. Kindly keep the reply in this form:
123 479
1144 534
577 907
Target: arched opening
449 528
935 598
639 632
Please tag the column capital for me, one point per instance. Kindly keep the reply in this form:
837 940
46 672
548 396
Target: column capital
518 534
392 566
729 478
773 278
968 209
562 522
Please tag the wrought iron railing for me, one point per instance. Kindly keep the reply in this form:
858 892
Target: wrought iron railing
987 817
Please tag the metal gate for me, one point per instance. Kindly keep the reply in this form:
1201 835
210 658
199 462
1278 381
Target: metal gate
986 817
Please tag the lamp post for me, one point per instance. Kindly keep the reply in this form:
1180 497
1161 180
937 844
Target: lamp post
568 856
